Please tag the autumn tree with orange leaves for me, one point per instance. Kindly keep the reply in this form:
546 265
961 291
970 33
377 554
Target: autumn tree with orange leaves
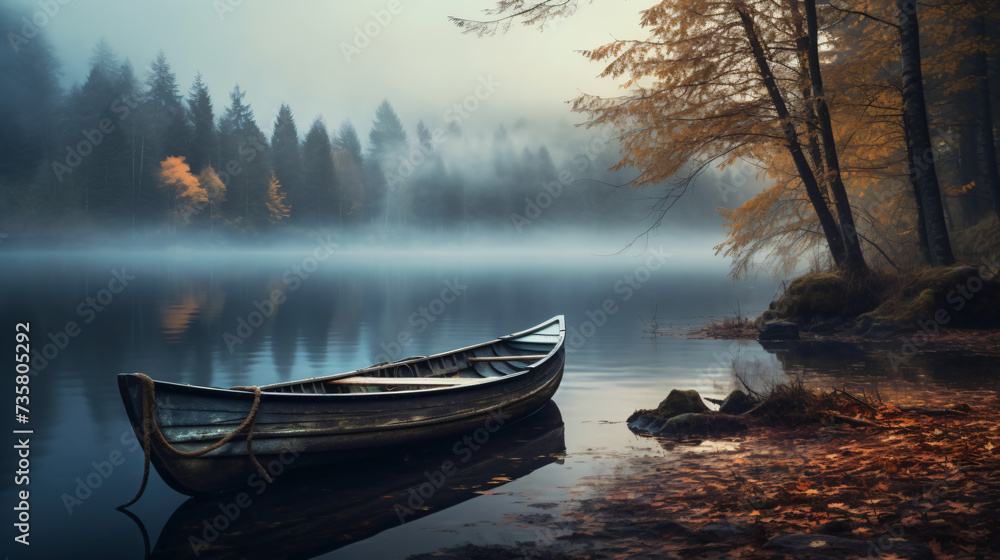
216 191
193 193
276 207
824 100
720 81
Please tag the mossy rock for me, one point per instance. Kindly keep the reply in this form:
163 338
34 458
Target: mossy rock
677 402
813 296
737 402
956 296
680 402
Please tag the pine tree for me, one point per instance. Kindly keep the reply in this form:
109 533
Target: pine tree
424 197
286 160
105 187
319 184
349 163
204 144
31 93
163 109
29 121
387 147
244 166
159 131
387 137
349 141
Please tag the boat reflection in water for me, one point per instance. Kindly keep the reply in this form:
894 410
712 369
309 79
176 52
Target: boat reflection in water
299 516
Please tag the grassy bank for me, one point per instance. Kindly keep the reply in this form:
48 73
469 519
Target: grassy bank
891 299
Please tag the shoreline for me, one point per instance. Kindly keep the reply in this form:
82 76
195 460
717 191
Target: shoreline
975 341
925 484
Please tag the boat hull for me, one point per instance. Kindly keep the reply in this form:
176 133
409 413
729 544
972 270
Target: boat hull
299 431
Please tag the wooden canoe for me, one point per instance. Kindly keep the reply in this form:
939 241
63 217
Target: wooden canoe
350 416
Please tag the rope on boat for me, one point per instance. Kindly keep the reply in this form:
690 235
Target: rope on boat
149 427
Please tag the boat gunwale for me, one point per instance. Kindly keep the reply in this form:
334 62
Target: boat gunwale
486 381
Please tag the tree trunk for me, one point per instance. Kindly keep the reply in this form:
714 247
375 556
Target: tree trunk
852 245
826 220
968 154
922 168
987 161
812 122
925 256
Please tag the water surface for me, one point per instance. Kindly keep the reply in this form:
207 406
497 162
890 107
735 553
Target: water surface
263 317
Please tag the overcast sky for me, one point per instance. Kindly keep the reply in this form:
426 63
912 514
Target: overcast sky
293 52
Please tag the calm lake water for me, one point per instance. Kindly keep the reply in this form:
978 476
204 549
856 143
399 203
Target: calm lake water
206 319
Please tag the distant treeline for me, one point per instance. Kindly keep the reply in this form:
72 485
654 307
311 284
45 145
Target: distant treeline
127 151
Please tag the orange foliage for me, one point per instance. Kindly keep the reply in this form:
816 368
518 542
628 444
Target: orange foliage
194 193
176 174
696 100
277 209
213 186
929 471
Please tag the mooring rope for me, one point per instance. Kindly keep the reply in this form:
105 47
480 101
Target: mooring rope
149 427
